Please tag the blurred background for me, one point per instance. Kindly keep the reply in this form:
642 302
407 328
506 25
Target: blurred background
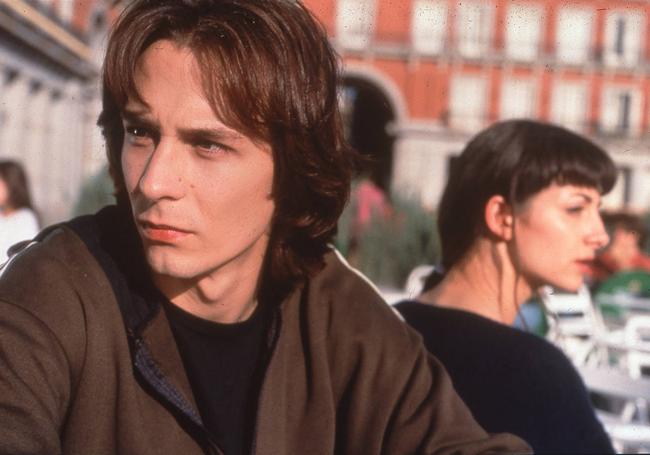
419 78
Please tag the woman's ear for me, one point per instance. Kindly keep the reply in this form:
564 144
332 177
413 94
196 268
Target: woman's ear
498 217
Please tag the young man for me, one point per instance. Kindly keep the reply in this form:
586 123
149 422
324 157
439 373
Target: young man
624 251
205 313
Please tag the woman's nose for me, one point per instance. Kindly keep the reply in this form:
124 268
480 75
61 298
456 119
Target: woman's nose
598 237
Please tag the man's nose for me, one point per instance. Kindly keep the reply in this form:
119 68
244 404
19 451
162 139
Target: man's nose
161 176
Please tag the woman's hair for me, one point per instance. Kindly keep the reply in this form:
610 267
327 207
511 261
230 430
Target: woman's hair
269 72
15 178
514 159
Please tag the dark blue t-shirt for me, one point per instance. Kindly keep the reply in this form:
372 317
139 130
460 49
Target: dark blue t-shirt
511 380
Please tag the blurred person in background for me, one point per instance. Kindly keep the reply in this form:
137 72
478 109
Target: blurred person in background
18 220
520 210
624 252
369 204
206 312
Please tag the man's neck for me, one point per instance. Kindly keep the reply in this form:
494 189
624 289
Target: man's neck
226 295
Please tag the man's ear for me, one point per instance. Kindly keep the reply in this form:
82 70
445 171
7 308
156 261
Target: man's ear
498 217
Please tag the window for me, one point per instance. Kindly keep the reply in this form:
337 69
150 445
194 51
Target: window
467 103
518 98
474 28
523 32
429 27
569 105
355 23
621 110
66 10
623 37
620 195
573 38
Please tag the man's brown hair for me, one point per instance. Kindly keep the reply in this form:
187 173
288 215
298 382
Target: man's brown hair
269 72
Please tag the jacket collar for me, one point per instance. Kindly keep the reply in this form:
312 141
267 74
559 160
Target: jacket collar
111 238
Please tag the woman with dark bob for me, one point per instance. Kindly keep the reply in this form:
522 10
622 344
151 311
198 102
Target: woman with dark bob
520 210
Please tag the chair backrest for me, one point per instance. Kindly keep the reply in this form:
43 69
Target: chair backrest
637 340
575 325
415 281
615 383
627 427
571 314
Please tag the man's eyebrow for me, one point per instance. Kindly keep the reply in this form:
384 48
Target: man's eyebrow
135 115
217 134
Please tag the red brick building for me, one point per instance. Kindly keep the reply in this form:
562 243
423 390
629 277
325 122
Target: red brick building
422 76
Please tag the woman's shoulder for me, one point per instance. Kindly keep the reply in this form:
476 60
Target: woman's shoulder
430 316
506 375
440 325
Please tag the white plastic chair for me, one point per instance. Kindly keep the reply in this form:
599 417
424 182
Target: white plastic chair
415 280
637 340
628 428
576 327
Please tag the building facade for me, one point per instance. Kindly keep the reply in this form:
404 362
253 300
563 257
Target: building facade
50 55
431 73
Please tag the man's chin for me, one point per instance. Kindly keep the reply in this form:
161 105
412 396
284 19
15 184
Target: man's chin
169 267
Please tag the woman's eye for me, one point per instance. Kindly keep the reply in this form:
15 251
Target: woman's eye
576 209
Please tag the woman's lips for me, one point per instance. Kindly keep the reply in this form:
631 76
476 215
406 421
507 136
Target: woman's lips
585 265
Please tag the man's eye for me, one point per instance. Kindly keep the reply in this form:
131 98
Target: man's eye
136 131
210 148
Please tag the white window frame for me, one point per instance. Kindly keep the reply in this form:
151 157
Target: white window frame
355 23
569 104
574 35
612 118
474 28
429 26
468 102
518 98
523 32
66 9
623 49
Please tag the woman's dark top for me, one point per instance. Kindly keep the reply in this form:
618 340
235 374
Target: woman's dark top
511 380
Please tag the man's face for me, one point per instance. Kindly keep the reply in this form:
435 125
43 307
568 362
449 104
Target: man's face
200 191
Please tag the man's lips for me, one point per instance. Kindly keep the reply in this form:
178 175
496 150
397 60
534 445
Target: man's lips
162 232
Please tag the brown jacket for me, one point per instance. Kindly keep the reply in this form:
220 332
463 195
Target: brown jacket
87 366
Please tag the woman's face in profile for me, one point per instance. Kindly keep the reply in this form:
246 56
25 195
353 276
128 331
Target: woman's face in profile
4 195
557 232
